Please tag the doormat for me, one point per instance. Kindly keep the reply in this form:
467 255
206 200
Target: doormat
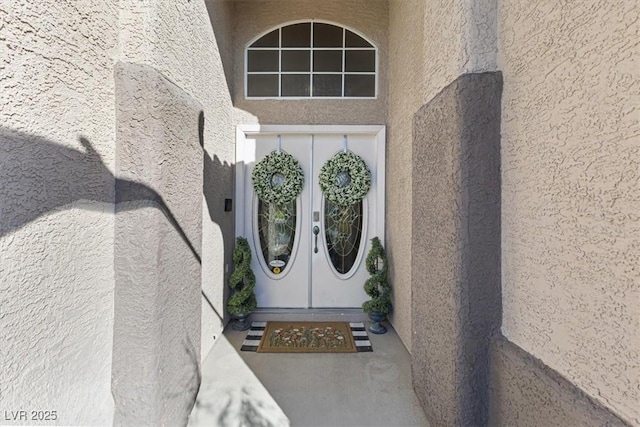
307 337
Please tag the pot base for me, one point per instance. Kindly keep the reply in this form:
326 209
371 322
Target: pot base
377 327
241 322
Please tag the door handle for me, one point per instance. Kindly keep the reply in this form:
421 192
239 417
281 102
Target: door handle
316 231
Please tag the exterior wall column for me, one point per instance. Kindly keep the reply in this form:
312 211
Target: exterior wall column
456 295
158 249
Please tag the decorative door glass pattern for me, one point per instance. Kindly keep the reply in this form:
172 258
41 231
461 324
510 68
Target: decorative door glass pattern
277 229
343 230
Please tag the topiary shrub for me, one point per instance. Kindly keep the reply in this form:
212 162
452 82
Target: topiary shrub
377 286
242 281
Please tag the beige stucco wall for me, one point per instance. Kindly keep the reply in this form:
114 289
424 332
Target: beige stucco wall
252 18
158 248
56 208
430 45
570 179
455 249
406 88
57 163
178 40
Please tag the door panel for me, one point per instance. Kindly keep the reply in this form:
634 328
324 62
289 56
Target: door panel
289 288
330 287
289 272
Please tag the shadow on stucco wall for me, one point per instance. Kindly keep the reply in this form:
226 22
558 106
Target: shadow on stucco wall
217 185
456 300
39 176
190 386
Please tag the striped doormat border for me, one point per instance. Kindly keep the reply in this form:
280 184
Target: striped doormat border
254 335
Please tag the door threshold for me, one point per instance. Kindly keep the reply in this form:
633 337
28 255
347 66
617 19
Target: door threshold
309 314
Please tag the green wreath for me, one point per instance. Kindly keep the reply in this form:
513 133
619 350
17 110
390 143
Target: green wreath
277 178
345 179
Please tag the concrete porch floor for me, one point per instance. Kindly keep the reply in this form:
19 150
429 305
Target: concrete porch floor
267 389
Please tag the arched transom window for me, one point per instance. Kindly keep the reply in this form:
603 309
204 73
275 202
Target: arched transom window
311 60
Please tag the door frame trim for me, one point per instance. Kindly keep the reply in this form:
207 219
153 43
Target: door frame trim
245 154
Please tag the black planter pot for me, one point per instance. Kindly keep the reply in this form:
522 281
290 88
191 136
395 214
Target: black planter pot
377 327
241 322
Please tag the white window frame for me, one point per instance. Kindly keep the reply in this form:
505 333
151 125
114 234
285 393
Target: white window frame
311 73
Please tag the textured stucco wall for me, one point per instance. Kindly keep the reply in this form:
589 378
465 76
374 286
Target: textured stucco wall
431 43
456 248
570 172
56 212
158 247
458 37
178 40
221 17
252 18
57 189
406 88
527 393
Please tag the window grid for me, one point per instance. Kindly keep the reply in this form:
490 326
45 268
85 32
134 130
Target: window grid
344 56
279 62
311 63
311 49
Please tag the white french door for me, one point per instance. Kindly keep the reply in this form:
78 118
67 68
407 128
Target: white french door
310 253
